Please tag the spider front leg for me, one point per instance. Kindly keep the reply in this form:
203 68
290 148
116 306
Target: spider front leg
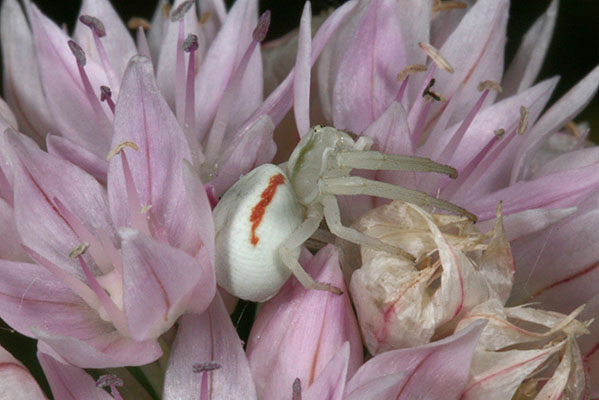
333 218
375 160
295 240
353 185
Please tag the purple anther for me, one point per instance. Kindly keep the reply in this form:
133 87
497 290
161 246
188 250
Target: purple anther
94 24
105 93
77 52
262 28
205 367
109 380
190 43
297 390
180 11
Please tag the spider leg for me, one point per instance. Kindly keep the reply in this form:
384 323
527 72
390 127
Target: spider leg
295 240
376 160
333 218
352 185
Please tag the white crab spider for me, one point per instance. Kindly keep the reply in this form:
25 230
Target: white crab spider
262 221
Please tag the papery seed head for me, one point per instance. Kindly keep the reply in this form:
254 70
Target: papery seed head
109 380
79 250
94 24
77 52
523 123
489 85
180 11
190 43
135 22
206 367
409 70
436 56
119 147
262 28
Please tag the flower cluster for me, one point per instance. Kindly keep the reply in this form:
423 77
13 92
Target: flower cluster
114 153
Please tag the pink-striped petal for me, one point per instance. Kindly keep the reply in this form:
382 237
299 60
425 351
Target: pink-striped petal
79 156
330 384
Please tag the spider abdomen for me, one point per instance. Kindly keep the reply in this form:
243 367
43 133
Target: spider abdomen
252 220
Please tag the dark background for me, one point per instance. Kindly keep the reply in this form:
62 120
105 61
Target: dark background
574 51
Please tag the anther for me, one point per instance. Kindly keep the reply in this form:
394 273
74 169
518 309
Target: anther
499 133
262 28
78 53
205 367
119 147
448 5
94 24
79 250
489 85
572 128
106 95
190 43
166 10
137 22
206 17
409 70
297 389
180 11
109 380
436 56
523 123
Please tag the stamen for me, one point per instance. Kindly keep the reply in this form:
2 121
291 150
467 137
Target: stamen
499 133
113 381
206 17
296 389
190 45
114 313
94 24
180 11
79 250
119 147
89 91
448 5
572 128
106 95
166 10
139 22
431 93
523 123
436 56
489 85
98 31
219 126
205 367
420 109
404 77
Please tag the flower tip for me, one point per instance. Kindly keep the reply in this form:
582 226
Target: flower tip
262 28
78 53
94 24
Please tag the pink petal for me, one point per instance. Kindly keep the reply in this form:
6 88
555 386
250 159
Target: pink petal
204 338
142 116
330 384
366 82
118 42
40 224
70 383
10 245
220 62
529 58
158 282
559 265
78 155
282 345
68 103
16 381
249 149
22 84
435 371
566 108
303 65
